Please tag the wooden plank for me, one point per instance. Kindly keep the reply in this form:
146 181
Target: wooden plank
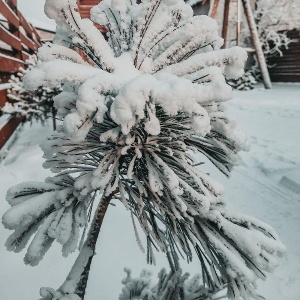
286 56
285 77
10 38
3 97
4 77
8 13
27 42
8 129
10 64
25 55
12 28
25 25
38 38
238 24
290 66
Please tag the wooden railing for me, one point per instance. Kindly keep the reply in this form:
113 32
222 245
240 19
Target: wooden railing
18 40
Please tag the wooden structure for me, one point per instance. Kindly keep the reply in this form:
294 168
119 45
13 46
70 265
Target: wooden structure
253 30
286 68
84 7
18 40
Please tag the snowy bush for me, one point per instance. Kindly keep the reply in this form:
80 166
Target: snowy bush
273 19
170 286
134 113
33 105
245 83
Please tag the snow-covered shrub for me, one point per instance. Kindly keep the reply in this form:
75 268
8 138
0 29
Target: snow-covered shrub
33 105
149 96
170 286
245 83
274 18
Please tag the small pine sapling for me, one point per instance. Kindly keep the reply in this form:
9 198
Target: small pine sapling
150 94
32 105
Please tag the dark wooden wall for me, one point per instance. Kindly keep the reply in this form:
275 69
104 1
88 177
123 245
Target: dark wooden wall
286 68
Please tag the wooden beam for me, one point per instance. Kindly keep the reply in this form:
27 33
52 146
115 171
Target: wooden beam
214 9
12 28
10 64
10 39
238 24
225 22
9 14
38 38
25 25
8 129
257 45
27 42
3 97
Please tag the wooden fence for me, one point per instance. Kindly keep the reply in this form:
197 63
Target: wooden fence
286 68
18 40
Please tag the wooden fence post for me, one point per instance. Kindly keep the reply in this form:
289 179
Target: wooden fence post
257 45
225 22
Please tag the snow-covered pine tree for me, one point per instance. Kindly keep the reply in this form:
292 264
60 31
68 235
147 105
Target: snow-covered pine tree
150 95
33 105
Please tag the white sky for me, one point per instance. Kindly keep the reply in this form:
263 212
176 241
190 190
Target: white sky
33 11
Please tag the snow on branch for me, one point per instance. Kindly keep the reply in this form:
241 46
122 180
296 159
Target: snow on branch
57 72
32 105
230 60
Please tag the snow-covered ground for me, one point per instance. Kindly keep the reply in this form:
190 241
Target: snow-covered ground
270 119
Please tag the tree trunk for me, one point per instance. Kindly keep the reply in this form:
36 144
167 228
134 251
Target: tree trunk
79 274
257 45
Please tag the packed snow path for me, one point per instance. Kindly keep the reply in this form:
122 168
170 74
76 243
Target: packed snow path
269 118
